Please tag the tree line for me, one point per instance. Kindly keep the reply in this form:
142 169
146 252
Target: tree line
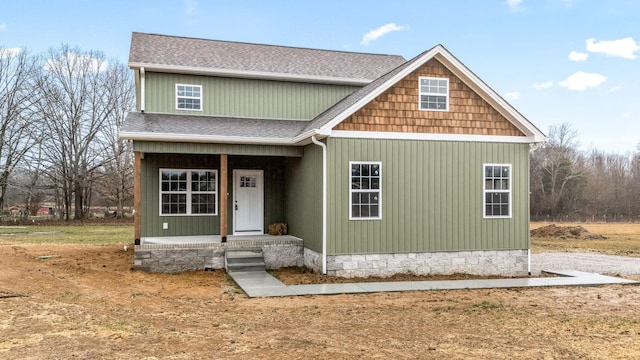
59 118
572 185
60 113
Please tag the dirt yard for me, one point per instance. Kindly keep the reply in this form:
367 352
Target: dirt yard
85 302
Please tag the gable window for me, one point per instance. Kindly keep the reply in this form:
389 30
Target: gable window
434 94
188 97
497 191
365 190
188 192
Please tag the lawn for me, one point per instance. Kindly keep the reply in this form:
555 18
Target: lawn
94 234
622 239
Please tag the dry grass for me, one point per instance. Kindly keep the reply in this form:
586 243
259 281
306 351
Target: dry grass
622 239
90 234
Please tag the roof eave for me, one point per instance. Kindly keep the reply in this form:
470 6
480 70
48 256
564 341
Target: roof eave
261 75
195 138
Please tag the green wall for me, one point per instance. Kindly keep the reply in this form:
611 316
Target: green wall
303 199
244 97
432 197
151 221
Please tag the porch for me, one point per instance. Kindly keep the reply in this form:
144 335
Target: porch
182 253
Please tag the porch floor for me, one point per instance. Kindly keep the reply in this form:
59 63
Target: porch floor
212 239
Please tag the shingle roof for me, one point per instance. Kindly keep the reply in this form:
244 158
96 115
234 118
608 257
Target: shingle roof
356 96
174 51
211 126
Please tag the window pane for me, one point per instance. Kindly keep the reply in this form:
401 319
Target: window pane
375 170
365 169
375 183
375 211
364 183
355 210
364 211
355 170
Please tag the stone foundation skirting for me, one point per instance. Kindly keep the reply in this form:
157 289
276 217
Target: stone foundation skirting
174 258
502 262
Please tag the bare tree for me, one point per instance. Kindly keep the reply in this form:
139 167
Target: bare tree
557 174
116 183
18 131
76 106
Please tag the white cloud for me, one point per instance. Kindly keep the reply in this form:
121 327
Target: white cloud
582 81
626 115
514 5
381 31
614 89
624 48
512 96
544 85
9 52
190 6
3 26
578 56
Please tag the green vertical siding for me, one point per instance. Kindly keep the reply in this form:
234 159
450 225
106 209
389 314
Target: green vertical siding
432 197
244 97
151 221
303 199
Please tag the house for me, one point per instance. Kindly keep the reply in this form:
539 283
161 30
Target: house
378 165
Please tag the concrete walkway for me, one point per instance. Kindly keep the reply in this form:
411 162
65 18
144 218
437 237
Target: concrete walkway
261 284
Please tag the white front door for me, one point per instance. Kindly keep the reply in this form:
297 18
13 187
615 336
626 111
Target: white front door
248 202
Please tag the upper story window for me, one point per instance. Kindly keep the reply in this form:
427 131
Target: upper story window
188 97
434 94
497 190
365 191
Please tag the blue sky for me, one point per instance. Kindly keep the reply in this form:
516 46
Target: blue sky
556 61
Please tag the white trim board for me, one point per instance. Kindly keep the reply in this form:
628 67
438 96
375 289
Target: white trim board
432 137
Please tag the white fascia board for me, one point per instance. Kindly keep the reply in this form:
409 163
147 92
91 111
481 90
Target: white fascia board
169 137
431 137
193 70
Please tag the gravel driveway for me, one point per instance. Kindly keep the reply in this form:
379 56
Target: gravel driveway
588 262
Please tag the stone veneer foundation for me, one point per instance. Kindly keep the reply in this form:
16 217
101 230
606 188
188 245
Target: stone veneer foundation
503 262
174 258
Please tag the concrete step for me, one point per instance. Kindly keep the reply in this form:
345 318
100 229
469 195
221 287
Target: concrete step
244 260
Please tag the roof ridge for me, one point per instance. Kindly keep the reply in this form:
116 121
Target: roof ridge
266 45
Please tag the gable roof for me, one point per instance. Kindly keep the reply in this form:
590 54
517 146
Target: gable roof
324 122
225 58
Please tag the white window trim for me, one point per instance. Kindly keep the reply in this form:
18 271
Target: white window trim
420 93
189 97
351 217
188 193
484 192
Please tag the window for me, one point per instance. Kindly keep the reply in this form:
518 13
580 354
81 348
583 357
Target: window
366 190
497 191
188 192
434 94
188 97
